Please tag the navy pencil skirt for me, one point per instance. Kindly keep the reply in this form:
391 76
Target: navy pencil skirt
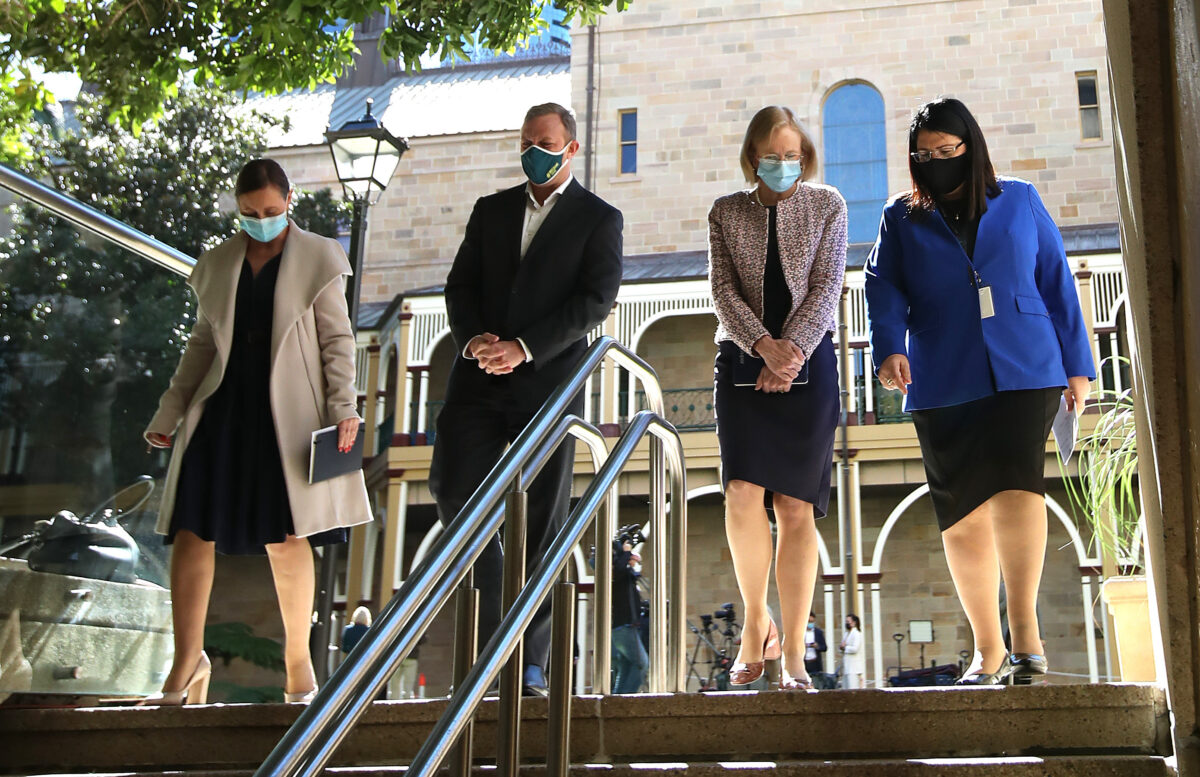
782 442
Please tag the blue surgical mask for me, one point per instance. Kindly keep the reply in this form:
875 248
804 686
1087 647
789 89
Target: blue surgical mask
541 165
779 176
812 625
264 230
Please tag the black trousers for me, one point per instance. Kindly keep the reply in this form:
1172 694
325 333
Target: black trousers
471 437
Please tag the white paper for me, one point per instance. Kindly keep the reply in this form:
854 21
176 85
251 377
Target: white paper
1066 428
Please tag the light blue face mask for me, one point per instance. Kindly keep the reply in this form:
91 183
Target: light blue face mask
263 230
779 176
540 165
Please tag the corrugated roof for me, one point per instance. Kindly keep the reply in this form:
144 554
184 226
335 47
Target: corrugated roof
693 265
370 313
1092 239
307 111
438 101
450 101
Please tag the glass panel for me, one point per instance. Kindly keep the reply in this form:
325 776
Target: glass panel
1087 90
629 158
90 335
1090 118
628 126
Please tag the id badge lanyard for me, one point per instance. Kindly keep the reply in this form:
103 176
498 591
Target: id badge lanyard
986 307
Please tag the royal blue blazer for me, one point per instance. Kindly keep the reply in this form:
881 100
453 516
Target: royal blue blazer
922 302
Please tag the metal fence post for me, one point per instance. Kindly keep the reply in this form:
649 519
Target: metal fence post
562 660
466 643
508 750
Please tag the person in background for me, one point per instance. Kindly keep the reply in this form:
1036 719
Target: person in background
854 663
777 256
538 268
814 646
974 316
630 660
269 361
360 621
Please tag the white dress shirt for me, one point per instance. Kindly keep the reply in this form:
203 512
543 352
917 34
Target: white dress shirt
535 215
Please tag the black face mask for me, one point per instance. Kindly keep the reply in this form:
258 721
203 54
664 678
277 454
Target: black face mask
942 176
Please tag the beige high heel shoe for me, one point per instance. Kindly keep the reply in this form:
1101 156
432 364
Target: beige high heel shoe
194 691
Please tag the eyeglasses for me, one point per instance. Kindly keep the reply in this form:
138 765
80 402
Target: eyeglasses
941 152
774 159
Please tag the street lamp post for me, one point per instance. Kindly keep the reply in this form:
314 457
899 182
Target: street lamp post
365 156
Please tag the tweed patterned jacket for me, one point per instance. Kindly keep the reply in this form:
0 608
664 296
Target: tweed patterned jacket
811 226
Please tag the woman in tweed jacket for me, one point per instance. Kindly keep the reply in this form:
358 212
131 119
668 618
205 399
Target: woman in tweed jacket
777 256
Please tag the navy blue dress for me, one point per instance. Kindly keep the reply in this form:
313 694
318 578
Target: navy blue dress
782 442
231 487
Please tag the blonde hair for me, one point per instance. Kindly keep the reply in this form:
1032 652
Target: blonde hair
762 126
361 616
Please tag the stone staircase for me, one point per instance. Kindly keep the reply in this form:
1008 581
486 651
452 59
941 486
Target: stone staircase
1049 731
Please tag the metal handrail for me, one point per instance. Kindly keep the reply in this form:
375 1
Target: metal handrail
466 698
325 723
102 224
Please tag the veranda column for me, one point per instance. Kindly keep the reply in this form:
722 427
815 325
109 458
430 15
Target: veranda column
1153 49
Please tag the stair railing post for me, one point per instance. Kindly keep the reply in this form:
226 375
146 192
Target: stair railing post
677 649
658 550
508 750
466 646
562 660
606 527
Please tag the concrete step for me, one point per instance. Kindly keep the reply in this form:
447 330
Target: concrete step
889 725
1019 766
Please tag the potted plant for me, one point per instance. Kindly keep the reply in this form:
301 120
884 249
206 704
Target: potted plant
1106 494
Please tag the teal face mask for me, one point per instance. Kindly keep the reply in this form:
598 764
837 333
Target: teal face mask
264 230
779 176
541 165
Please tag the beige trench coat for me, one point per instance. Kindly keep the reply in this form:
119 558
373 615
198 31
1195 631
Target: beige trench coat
312 371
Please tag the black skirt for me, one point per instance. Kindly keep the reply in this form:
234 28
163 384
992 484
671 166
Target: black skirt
977 449
231 488
782 442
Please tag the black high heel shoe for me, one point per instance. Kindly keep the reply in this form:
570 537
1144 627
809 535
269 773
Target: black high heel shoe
1027 666
1000 677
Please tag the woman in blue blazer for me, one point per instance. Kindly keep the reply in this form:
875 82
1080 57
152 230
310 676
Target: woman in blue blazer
974 316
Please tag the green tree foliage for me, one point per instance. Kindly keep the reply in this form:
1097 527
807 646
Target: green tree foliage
137 53
89 333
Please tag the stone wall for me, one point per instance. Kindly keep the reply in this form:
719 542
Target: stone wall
697 71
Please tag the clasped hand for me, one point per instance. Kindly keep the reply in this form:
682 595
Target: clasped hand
496 356
783 358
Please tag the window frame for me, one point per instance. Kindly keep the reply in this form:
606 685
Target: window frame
1094 75
622 142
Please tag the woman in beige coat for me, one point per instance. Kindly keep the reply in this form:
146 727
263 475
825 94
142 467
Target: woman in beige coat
270 360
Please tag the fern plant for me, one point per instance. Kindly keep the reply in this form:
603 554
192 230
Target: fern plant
1106 491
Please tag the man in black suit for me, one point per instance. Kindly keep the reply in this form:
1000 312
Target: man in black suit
538 268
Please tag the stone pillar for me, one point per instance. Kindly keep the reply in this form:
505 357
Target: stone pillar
392 570
610 373
357 589
1083 284
371 403
422 381
1154 66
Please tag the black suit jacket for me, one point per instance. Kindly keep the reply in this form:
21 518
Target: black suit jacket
563 288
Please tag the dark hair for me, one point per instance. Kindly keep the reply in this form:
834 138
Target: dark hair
948 115
857 622
545 109
259 174
812 614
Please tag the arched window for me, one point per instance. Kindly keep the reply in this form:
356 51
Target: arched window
856 155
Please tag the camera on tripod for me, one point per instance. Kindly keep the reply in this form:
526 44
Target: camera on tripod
631 534
726 613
